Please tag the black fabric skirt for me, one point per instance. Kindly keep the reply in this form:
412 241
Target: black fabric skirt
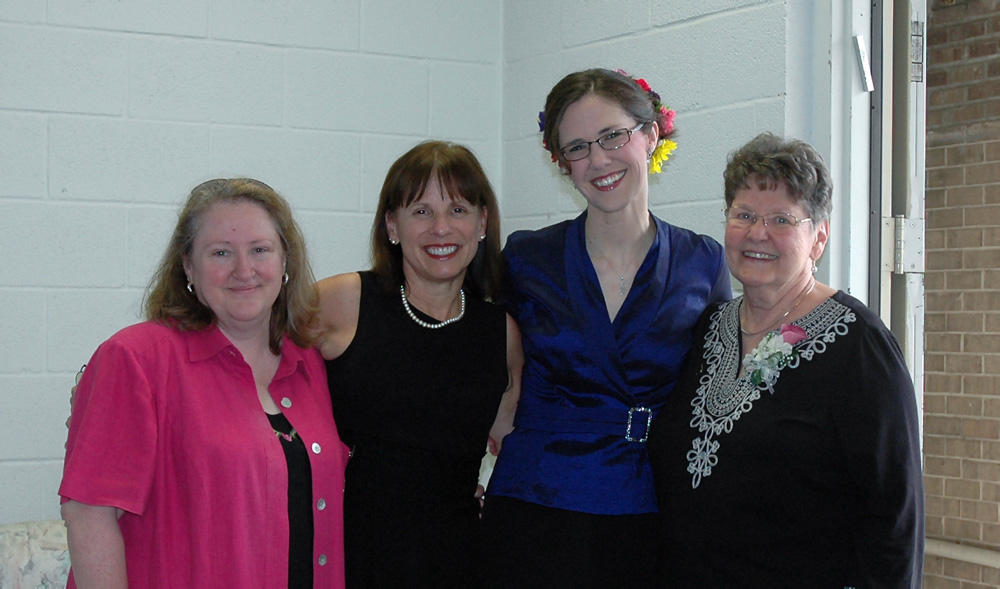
530 545
410 519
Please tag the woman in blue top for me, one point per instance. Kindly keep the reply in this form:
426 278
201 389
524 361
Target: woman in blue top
606 304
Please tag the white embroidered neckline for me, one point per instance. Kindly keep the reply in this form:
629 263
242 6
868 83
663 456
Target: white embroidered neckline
722 397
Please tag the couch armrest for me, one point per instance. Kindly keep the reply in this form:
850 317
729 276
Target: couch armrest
34 554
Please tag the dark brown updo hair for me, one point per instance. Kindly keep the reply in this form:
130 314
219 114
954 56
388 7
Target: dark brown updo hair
609 84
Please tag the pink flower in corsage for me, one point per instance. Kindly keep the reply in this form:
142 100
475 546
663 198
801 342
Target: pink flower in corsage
643 84
773 353
792 334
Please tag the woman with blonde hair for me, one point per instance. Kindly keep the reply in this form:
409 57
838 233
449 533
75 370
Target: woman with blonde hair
202 450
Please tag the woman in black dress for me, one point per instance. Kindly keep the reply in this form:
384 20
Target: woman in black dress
788 454
418 367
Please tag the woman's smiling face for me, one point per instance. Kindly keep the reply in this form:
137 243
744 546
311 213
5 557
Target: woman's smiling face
439 236
610 180
236 264
762 257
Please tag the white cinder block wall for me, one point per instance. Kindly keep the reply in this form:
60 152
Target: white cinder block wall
720 64
110 111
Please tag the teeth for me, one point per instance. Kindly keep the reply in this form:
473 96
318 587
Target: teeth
442 251
608 181
760 256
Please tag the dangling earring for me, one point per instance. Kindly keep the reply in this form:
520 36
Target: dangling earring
814 268
284 279
190 290
393 241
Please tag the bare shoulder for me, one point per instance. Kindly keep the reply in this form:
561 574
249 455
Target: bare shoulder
339 308
339 289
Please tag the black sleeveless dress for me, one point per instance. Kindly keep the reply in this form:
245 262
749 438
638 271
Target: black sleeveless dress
415 406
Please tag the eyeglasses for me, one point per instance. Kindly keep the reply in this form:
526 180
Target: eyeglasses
777 222
609 141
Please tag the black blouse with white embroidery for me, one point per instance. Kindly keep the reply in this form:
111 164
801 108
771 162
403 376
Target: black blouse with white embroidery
813 482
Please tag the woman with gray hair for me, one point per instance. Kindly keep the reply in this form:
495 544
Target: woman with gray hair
788 454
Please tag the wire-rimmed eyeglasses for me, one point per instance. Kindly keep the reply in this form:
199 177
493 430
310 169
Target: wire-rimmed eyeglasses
610 141
744 219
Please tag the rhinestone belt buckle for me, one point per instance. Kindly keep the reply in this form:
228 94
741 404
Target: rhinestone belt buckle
649 422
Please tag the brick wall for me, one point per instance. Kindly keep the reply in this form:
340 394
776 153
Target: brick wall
962 398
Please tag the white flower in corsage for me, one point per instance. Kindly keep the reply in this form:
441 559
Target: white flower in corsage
773 353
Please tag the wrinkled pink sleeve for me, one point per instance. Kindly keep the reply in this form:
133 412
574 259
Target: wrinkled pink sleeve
112 437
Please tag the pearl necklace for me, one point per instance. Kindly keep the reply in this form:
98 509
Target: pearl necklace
421 322
797 302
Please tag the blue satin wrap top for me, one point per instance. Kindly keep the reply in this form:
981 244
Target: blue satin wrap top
591 386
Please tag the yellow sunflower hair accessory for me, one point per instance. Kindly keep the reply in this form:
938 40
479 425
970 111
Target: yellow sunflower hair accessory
665 125
660 155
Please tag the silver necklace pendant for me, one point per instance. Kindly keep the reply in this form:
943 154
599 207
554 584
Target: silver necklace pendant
421 322
797 303
621 285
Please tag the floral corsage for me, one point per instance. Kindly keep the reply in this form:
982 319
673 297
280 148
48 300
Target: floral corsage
773 353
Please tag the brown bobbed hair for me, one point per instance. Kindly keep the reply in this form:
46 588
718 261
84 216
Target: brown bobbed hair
609 84
768 160
458 172
167 299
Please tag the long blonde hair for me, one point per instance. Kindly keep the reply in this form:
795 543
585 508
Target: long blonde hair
167 299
